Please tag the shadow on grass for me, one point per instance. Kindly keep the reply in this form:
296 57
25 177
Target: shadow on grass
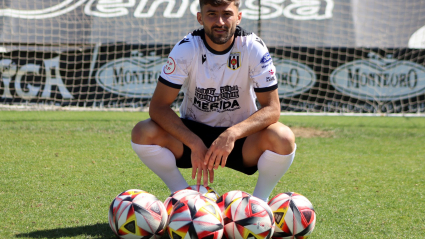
100 230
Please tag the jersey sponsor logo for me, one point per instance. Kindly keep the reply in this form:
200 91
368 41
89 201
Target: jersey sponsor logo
266 65
170 66
259 41
268 79
379 78
208 100
234 61
184 41
266 58
204 58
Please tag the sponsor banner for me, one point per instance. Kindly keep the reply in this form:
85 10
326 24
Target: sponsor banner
40 77
379 79
311 23
293 77
357 80
104 75
137 21
293 9
132 73
309 79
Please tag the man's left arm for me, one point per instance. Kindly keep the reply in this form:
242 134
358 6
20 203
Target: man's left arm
267 115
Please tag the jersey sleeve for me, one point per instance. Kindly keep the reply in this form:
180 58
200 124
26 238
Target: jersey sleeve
262 71
176 70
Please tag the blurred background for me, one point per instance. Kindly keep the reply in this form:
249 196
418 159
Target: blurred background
331 56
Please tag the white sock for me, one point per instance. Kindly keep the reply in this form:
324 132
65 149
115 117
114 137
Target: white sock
271 168
163 163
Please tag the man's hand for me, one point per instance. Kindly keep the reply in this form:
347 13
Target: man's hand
219 151
198 166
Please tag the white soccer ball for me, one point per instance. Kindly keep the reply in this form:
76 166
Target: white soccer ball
294 216
248 217
176 196
206 191
135 214
224 200
195 217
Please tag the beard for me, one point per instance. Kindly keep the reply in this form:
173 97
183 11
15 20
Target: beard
220 39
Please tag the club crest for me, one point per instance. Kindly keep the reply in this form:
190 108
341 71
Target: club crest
234 61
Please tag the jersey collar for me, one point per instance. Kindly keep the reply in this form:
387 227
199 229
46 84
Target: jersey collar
219 52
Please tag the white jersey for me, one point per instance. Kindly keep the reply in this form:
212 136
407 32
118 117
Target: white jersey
219 87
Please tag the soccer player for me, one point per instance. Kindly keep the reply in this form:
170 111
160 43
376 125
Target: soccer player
222 70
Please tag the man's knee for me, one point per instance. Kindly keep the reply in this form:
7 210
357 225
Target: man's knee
145 132
148 132
280 139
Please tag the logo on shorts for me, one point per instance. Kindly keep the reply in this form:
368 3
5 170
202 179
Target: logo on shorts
234 61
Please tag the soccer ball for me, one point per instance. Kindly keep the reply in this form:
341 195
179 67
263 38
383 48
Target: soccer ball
224 200
195 217
176 196
206 191
248 217
135 214
294 216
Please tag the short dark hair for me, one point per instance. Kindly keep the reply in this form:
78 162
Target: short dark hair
216 3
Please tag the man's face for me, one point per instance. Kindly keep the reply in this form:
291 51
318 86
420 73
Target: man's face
219 22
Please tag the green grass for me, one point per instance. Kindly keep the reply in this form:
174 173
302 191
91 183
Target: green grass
59 171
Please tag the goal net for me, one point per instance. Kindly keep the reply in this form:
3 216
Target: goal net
345 56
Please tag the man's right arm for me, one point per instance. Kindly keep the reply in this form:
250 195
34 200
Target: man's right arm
162 114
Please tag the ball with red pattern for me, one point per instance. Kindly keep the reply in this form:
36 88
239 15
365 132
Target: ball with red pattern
176 196
248 217
224 200
137 214
206 191
294 216
195 217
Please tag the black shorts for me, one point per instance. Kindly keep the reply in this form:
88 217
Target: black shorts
208 134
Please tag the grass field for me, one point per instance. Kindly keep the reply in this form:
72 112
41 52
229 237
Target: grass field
59 171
